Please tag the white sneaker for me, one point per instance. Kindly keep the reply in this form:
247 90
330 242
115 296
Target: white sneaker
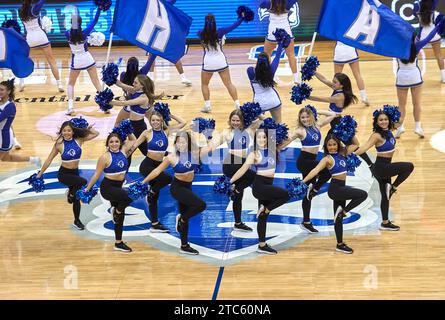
21 87
69 111
60 88
206 109
419 132
399 132
17 144
186 82
366 102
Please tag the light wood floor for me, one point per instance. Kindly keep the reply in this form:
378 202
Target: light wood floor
39 250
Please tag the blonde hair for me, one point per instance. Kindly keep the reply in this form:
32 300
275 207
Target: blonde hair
311 116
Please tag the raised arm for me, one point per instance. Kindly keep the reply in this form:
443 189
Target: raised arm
421 43
323 79
86 32
159 169
328 119
241 171
223 31
215 143
147 66
92 135
256 124
101 165
175 127
276 61
265 4
124 86
142 138
48 161
139 101
337 99
36 7
297 134
321 165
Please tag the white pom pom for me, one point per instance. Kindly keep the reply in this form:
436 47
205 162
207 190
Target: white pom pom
47 23
96 39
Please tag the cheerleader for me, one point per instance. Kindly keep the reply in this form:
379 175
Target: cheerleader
384 143
184 160
263 85
308 132
339 192
427 14
344 54
81 57
114 165
156 140
214 59
278 19
270 197
239 142
69 145
128 77
141 99
7 115
409 77
36 37
179 67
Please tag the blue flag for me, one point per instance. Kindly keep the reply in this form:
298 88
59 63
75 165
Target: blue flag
14 53
153 25
367 25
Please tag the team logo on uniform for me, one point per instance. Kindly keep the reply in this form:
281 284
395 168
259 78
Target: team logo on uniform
210 232
392 141
315 137
294 15
160 143
120 164
343 163
72 152
188 164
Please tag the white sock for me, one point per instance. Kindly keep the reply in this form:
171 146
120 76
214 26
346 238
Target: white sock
183 77
22 81
442 74
418 125
33 159
70 103
151 75
237 104
296 77
59 83
363 95
207 103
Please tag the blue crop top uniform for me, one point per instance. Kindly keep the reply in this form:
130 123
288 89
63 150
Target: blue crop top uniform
118 165
71 151
7 115
240 141
333 106
186 164
312 139
158 142
267 163
339 166
389 144
137 109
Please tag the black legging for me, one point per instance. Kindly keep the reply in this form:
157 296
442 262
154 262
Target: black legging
189 205
271 197
74 182
231 165
112 191
340 192
305 163
383 171
164 179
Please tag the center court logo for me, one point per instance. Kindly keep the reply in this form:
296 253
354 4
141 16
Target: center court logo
212 231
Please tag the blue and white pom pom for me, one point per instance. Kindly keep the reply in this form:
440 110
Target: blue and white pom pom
251 111
282 37
309 68
126 127
201 125
104 98
281 129
296 189
37 184
86 196
352 162
300 93
12 24
110 72
164 110
245 13
103 5
222 185
119 131
393 112
345 130
313 109
80 123
46 23
138 190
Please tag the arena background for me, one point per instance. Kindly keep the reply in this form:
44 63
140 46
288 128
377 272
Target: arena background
303 20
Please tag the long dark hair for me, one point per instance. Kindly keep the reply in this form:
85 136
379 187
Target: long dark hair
111 135
347 89
9 84
341 149
76 35
25 10
376 128
77 132
209 35
278 6
425 11
187 135
148 87
270 138
413 51
263 74
132 71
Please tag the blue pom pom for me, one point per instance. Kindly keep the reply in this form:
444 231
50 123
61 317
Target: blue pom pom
309 68
86 196
164 110
314 111
296 189
110 72
392 112
282 37
300 93
103 5
198 168
80 123
119 131
12 24
281 129
138 190
245 13
126 127
345 130
251 111
37 184
104 98
352 162
222 185
206 126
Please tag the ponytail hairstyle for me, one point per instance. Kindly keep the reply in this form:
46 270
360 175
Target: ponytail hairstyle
278 6
25 10
340 148
209 35
376 128
76 35
111 135
148 87
132 71
78 133
263 73
347 89
310 114
425 12
9 84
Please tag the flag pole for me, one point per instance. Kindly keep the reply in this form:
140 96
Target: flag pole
312 43
108 54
